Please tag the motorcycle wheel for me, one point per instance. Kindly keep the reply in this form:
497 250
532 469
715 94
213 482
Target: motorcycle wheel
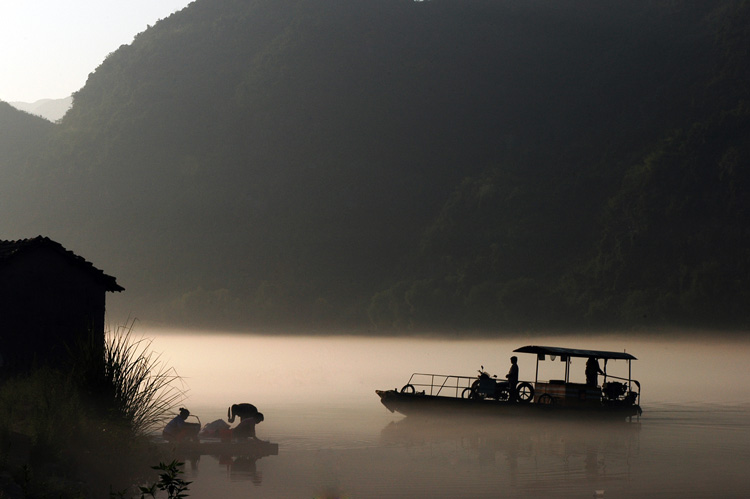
503 395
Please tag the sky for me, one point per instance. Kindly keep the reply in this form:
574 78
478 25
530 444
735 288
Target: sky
49 47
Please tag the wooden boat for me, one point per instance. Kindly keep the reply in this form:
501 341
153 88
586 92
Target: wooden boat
215 447
438 394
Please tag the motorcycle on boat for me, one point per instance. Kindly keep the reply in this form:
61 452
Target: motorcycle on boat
489 387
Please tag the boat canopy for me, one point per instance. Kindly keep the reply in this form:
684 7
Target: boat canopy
574 352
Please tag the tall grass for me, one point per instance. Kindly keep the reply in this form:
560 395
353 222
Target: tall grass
129 382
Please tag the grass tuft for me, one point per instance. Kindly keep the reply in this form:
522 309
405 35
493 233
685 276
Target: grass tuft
145 390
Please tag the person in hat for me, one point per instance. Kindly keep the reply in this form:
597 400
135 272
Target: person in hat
179 429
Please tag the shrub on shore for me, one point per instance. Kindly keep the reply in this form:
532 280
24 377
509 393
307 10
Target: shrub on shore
80 431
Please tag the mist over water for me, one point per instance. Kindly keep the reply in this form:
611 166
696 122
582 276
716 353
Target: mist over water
337 440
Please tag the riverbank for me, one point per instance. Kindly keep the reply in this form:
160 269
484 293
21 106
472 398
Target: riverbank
54 443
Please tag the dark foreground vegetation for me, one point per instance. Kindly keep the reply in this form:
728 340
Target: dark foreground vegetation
395 165
80 430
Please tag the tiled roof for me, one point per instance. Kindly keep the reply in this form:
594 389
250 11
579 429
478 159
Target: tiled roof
10 249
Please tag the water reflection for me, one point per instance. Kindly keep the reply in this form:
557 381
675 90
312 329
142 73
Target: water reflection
520 450
239 465
320 406
242 468
233 468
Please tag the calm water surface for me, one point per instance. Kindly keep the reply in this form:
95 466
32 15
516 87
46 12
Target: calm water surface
337 440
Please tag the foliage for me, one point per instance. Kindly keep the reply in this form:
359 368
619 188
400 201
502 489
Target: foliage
679 249
398 164
44 406
169 480
53 445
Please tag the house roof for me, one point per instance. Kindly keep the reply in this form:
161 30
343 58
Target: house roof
11 249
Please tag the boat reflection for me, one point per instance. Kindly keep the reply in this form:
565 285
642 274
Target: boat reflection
522 451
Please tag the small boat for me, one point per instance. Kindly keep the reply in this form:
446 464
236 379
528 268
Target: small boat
253 448
439 394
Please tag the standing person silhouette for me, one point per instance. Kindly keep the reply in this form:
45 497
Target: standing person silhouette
592 371
512 377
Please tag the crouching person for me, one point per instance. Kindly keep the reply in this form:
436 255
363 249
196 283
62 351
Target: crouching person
249 417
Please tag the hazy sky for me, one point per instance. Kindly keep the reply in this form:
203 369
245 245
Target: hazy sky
49 47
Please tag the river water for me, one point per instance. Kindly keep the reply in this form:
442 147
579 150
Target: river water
337 441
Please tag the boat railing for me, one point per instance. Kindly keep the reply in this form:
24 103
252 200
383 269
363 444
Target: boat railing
446 385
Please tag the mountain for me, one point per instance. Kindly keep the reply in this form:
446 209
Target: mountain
22 137
50 109
392 164
19 131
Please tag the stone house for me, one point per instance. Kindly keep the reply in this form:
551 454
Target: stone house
50 299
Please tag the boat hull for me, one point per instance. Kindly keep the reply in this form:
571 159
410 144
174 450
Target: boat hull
420 404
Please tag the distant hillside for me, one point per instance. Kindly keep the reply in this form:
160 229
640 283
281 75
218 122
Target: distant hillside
20 130
399 165
50 109
22 137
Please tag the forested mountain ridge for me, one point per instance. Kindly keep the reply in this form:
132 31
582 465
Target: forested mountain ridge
22 137
670 239
411 165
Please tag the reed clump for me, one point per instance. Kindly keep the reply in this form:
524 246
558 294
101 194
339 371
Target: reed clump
128 382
